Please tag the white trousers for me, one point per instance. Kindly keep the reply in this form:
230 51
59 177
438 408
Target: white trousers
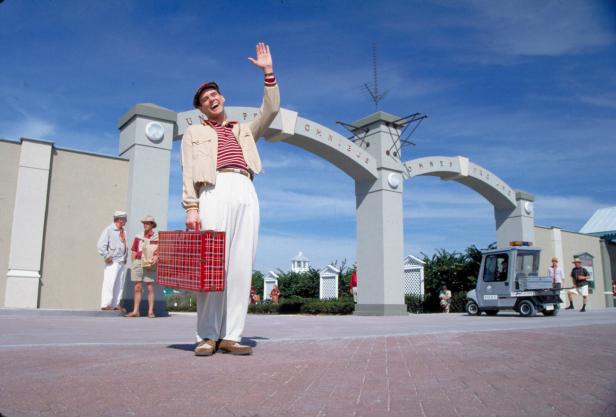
230 206
113 284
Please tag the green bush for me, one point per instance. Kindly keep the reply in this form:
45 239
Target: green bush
328 307
458 302
296 284
257 282
263 308
456 270
298 305
291 305
414 303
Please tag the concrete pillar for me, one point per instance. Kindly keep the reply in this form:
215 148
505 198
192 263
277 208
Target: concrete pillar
517 224
146 140
557 244
24 276
607 274
379 222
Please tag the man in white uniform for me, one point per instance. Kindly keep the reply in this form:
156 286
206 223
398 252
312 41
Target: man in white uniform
112 247
219 160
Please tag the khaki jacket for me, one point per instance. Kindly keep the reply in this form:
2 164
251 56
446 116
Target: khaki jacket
199 151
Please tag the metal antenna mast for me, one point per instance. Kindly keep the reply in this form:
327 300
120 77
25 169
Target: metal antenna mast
374 92
400 130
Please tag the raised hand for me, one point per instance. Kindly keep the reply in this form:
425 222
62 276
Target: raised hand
264 58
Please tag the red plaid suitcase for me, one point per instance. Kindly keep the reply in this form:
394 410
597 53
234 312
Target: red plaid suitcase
193 261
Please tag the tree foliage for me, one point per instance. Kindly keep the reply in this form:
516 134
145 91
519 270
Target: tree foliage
257 282
299 284
457 270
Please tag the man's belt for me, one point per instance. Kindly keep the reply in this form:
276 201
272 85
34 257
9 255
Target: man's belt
237 171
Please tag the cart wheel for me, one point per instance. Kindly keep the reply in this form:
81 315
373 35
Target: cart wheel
491 312
526 308
550 313
472 308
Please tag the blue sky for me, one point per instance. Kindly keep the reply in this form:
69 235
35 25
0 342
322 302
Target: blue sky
526 89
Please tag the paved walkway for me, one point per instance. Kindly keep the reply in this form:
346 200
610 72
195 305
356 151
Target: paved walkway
71 364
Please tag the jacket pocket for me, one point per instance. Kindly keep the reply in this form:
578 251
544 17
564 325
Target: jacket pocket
202 147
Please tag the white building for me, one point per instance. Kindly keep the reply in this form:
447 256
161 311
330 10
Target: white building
300 263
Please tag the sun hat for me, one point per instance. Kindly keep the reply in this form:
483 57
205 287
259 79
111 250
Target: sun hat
149 219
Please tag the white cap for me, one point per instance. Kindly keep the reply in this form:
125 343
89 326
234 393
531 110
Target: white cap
118 214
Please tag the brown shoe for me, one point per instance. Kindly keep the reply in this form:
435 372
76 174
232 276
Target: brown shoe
132 314
235 348
107 308
205 348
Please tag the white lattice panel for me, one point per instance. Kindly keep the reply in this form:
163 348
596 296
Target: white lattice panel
413 283
329 288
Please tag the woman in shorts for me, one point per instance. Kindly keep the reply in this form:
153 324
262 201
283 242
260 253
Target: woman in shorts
144 257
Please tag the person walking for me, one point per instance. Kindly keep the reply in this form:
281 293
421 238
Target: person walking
112 247
580 277
144 256
555 272
353 284
275 294
219 160
445 298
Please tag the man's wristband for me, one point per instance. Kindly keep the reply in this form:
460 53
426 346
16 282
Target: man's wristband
270 79
191 209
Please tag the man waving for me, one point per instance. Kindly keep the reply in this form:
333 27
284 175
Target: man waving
219 160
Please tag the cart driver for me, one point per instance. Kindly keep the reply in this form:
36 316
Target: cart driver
501 268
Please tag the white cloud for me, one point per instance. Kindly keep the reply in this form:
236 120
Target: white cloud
554 208
284 205
604 100
549 28
27 127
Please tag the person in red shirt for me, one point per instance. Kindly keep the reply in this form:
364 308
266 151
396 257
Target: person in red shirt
144 257
353 284
219 160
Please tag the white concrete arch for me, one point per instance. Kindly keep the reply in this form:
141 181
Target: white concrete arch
303 133
460 169
147 132
513 209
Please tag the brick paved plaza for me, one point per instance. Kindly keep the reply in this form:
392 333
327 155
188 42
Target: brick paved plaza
77 364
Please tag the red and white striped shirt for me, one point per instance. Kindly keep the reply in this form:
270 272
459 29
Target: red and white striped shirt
229 150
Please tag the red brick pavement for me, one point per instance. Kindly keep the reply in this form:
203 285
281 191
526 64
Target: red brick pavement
530 373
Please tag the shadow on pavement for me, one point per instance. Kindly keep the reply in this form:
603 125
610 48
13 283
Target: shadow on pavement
250 341
183 346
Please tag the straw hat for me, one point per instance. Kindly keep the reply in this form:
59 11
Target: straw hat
149 219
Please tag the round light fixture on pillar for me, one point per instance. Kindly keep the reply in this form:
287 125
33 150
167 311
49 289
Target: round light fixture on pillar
394 180
154 131
528 207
